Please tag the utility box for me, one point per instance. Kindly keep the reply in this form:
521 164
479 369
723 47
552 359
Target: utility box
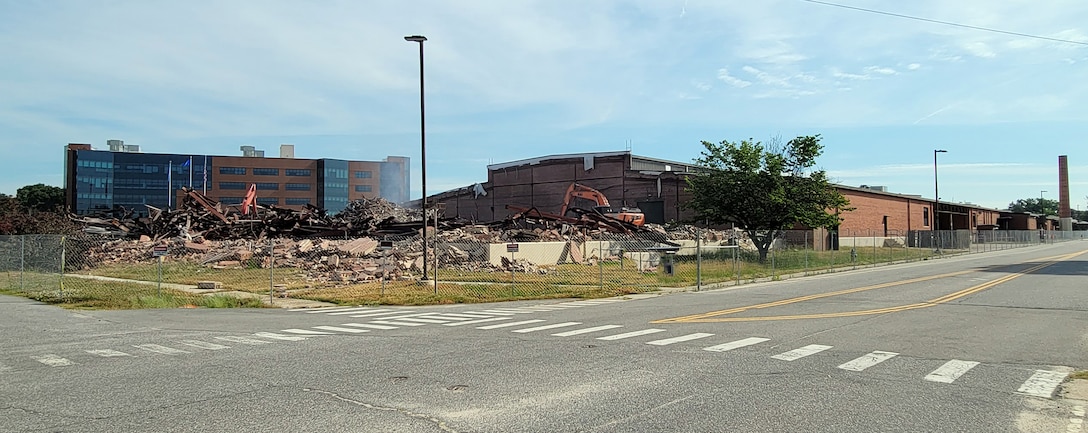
209 285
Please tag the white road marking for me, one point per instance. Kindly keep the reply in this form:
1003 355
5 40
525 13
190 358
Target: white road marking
599 301
107 353
568 305
203 345
868 360
510 310
631 334
495 313
402 316
447 318
587 330
541 328
950 371
276 336
329 310
160 349
53 360
341 329
679 339
423 320
736 344
504 325
364 310
370 325
243 340
802 352
473 322
467 316
381 313
395 323
1042 383
305 332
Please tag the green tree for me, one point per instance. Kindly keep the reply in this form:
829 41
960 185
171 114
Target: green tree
765 190
41 197
1040 206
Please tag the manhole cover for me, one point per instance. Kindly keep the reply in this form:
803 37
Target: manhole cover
457 387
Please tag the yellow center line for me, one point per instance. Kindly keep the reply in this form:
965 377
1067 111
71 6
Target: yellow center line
711 316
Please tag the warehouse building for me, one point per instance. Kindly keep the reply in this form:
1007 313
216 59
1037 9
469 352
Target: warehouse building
658 188
97 180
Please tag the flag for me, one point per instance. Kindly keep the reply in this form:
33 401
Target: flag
205 174
187 162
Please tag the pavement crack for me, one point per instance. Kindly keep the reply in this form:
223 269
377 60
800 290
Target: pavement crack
437 422
42 413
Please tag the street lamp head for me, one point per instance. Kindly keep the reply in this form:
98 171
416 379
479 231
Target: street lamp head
415 38
940 151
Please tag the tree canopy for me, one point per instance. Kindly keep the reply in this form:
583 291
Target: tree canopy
1040 206
41 197
765 189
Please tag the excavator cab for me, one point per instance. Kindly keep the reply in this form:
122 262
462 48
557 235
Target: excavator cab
630 215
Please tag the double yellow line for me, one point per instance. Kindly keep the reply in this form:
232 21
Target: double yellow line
712 316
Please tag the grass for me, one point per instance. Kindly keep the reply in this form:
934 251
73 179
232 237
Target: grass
457 286
1082 375
78 293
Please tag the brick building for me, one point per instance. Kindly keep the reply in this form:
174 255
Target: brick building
658 188
123 176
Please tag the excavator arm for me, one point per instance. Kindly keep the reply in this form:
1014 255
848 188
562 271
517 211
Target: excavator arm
576 190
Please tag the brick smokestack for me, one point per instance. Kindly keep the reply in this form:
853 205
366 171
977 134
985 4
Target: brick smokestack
1064 210
1065 214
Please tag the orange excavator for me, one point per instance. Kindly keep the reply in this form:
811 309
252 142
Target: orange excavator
577 190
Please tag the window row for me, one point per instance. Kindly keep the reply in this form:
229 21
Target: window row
363 188
363 175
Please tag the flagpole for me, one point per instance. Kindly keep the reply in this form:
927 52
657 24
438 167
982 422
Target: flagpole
190 171
205 174
169 185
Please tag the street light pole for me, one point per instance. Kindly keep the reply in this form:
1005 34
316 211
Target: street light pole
1041 195
422 146
936 199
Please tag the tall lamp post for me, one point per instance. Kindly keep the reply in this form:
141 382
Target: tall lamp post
422 146
1041 196
936 199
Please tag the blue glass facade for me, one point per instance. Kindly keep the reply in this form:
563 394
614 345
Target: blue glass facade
333 185
105 180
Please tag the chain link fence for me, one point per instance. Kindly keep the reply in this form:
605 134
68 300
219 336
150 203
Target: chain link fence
391 269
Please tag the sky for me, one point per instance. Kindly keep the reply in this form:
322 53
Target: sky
508 80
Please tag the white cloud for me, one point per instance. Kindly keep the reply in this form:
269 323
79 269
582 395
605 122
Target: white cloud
702 86
979 49
914 66
767 78
881 70
723 74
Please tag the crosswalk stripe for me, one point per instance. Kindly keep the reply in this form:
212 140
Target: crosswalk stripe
950 371
369 325
473 322
423 320
203 345
1042 383
363 310
379 313
305 332
160 349
509 310
679 339
801 352
569 305
107 353
868 360
631 334
586 330
541 328
53 360
504 325
469 316
330 310
243 340
745 342
342 329
402 316
447 317
276 336
495 313
396 323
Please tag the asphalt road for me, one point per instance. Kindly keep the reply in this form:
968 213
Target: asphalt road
966 344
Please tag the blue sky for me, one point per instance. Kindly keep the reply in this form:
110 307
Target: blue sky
508 80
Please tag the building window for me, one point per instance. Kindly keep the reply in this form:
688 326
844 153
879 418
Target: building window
266 201
297 171
231 200
232 170
336 173
257 171
925 217
296 201
363 174
296 186
232 185
268 186
362 188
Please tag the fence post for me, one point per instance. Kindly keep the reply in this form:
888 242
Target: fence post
875 259
772 259
271 270
806 252
698 259
736 264
600 261
62 251
22 262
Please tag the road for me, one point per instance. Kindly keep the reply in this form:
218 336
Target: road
965 344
